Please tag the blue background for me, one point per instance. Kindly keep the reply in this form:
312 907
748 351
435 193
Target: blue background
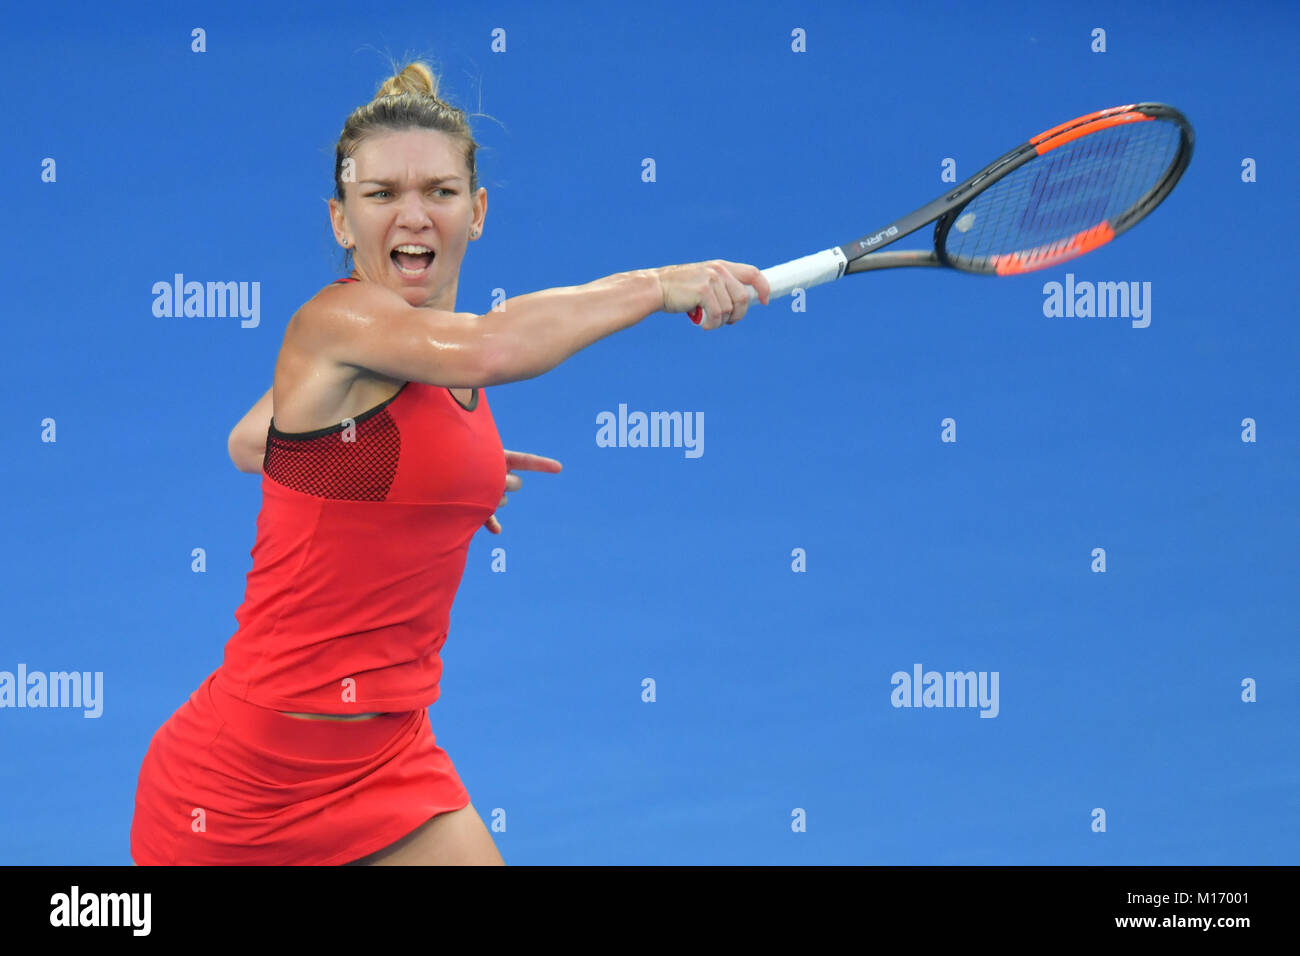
1119 690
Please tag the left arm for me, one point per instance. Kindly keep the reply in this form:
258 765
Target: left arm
247 441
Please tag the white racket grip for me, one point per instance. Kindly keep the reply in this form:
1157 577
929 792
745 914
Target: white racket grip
825 266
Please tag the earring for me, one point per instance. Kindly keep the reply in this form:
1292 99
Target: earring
473 233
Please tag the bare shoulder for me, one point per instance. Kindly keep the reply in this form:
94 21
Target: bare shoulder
372 329
312 386
345 308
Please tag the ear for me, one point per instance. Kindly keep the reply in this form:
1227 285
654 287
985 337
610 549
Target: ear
336 219
480 208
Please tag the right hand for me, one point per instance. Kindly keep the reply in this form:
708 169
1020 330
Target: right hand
718 286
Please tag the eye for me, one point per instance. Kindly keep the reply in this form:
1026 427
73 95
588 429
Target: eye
449 192
376 193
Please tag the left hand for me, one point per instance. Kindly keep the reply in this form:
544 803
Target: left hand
526 462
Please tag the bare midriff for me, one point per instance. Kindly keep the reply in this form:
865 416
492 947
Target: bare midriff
331 716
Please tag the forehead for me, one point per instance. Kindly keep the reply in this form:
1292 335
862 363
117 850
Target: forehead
409 153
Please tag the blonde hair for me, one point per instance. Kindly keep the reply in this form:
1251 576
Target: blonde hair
406 100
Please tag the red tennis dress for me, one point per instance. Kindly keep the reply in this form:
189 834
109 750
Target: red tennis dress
361 544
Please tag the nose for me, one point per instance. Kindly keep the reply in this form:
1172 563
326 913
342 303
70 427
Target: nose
411 213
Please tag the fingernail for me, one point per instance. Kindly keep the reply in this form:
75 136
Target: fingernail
695 320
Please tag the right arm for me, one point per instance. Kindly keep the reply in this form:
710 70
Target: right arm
372 327
534 333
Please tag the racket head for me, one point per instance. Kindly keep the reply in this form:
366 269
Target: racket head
1067 191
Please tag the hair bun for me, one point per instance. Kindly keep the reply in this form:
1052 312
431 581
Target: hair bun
415 78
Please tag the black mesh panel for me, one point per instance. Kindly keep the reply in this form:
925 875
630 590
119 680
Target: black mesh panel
326 466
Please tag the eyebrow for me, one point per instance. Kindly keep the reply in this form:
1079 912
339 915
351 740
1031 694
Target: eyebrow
431 181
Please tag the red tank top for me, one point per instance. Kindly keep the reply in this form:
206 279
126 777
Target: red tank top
361 544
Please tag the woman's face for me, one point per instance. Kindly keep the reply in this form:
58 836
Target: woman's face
411 188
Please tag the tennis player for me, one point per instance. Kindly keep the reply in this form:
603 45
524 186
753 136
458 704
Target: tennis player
311 743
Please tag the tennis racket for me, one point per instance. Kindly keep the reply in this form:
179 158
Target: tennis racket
1064 193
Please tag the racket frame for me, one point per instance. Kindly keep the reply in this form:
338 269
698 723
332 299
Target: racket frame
864 255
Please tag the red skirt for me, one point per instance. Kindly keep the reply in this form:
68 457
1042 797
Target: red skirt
226 782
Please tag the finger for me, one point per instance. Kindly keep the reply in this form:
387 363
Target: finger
513 482
725 284
710 302
493 525
529 462
501 503
753 276
713 307
707 311
740 296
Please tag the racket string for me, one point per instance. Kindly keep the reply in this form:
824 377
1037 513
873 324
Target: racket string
1040 209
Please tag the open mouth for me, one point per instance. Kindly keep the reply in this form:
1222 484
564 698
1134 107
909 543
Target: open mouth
412 261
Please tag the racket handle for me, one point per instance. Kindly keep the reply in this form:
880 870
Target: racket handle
803 273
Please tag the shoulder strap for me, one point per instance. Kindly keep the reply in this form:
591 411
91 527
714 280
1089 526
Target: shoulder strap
347 279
